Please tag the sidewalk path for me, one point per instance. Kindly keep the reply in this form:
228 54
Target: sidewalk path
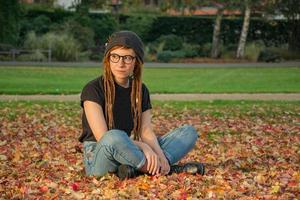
166 97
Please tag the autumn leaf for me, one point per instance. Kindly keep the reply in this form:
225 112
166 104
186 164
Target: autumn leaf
275 189
75 186
44 189
250 152
17 155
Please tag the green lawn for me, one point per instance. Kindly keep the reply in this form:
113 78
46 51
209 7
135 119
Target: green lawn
67 80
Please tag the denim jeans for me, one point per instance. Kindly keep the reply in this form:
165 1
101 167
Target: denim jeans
116 148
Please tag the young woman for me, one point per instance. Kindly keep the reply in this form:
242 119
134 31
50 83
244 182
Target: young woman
117 133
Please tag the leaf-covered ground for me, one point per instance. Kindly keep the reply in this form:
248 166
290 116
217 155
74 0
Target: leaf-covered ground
251 151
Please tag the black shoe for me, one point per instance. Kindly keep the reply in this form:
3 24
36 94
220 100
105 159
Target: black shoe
126 171
191 168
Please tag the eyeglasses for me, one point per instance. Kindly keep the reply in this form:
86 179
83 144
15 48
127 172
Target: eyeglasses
115 58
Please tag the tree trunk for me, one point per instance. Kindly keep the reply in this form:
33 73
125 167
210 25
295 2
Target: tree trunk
215 51
241 48
294 39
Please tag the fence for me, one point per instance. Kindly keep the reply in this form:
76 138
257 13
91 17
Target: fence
13 53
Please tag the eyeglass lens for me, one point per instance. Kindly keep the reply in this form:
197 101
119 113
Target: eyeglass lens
127 58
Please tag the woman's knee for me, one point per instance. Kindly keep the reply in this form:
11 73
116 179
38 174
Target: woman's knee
114 137
189 131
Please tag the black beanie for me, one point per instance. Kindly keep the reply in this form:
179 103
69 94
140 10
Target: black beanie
127 39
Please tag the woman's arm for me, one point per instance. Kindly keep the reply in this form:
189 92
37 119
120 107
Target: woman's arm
95 118
149 137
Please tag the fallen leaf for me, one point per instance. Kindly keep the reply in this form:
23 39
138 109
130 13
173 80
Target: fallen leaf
44 189
75 186
275 189
3 157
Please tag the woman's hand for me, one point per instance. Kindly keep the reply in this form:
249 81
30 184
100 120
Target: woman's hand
164 164
153 163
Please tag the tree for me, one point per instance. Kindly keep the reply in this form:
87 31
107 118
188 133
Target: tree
243 37
9 23
215 50
247 5
221 5
290 9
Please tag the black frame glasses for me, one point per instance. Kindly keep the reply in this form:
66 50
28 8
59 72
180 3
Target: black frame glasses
128 59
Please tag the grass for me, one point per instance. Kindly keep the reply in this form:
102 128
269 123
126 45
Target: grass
245 107
68 80
191 105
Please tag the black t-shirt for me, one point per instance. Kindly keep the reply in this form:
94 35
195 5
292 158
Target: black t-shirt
94 91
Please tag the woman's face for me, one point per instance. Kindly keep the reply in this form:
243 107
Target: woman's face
122 62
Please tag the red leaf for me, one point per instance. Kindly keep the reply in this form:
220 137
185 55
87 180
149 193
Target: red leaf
75 186
44 189
292 184
183 195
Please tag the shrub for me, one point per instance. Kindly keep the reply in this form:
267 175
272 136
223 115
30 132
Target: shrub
230 47
97 53
167 56
268 55
164 56
84 35
284 53
103 27
141 24
228 55
84 56
205 50
253 49
5 58
155 47
149 57
191 50
31 41
9 21
37 55
64 47
228 51
6 47
193 29
171 42
178 54
96 57
41 24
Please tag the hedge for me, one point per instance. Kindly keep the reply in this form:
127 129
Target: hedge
199 30
192 29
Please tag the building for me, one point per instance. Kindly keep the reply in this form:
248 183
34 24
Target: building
67 4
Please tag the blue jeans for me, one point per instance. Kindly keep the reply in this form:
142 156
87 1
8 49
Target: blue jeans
116 148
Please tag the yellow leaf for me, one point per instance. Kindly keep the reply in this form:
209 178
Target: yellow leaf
144 186
275 189
17 155
3 157
96 191
261 179
123 194
78 195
